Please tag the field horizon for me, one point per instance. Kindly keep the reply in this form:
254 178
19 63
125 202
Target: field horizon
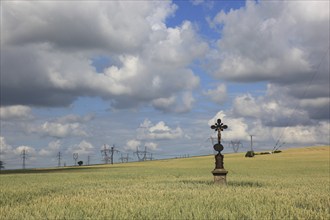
293 184
101 165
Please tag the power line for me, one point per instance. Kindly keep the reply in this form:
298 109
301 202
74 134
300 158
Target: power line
303 96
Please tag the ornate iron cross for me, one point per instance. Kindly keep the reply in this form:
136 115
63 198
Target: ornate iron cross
218 126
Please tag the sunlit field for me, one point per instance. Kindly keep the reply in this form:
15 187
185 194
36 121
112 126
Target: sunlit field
293 184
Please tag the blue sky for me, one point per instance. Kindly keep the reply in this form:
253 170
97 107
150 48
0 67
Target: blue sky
76 76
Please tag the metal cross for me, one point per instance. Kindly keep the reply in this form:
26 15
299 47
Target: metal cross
219 127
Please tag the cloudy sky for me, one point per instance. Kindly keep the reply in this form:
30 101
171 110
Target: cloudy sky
76 75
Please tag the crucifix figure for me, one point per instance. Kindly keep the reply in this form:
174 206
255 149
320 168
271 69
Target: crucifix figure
219 147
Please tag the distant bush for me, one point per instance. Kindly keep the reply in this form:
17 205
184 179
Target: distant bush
263 153
80 163
249 154
277 151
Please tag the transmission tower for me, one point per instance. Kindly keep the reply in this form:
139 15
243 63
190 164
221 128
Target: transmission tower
150 157
142 155
112 151
75 157
59 159
88 159
105 153
235 145
124 159
24 156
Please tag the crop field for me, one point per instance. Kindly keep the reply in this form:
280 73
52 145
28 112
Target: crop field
294 184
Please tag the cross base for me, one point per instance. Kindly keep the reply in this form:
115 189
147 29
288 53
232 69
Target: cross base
220 176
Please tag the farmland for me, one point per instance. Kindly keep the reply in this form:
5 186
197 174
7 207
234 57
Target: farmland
291 185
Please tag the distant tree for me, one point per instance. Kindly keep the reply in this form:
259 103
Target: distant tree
80 163
2 165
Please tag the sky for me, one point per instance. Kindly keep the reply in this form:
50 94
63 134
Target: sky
78 75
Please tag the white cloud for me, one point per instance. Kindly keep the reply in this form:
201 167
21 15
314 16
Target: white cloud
237 127
83 148
158 131
62 127
7 152
296 28
132 144
265 136
52 149
60 130
75 118
286 44
246 105
273 109
179 103
29 151
217 95
151 146
317 134
15 112
4 147
148 60
159 127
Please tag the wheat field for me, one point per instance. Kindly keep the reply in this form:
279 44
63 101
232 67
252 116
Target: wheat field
293 184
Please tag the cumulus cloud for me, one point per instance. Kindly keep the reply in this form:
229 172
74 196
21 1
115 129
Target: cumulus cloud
237 127
151 146
75 118
134 144
240 128
318 134
298 29
217 95
12 155
62 127
158 131
7 150
277 109
52 149
61 130
28 150
15 112
148 60
179 103
83 148
4 147
285 43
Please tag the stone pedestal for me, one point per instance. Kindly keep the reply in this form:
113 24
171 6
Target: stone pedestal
220 176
